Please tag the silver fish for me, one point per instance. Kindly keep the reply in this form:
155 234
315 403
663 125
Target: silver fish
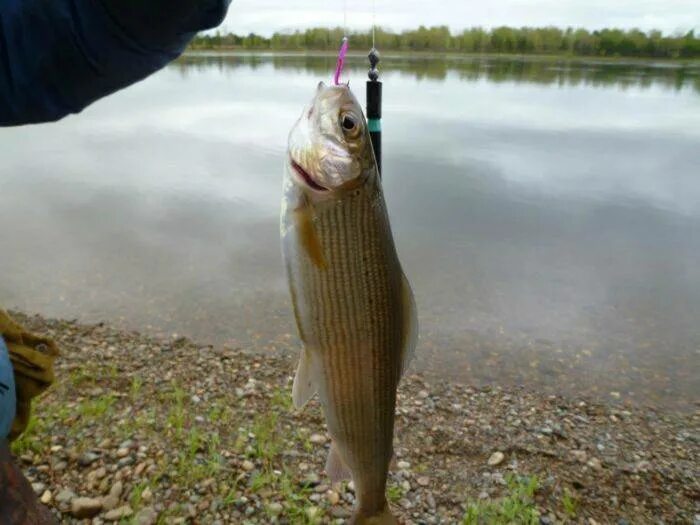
354 308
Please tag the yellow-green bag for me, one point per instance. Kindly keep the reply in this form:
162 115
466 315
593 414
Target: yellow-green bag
32 358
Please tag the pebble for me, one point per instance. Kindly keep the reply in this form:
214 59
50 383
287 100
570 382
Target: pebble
46 497
496 459
595 464
275 508
122 452
317 439
579 455
147 495
333 497
38 488
146 516
403 465
87 459
125 462
65 496
85 507
423 481
118 513
110 501
248 465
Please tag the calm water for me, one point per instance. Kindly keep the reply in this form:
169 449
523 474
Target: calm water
547 214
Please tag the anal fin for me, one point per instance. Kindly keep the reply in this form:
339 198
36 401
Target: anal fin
410 325
336 468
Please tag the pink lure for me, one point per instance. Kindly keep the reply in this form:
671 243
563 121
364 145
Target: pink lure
341 61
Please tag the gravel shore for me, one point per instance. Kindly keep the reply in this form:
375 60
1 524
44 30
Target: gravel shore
142 430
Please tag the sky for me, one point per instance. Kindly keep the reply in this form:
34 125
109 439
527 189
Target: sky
268 16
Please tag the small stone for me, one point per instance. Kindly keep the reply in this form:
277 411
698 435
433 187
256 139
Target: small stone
46 497
147 495
82 508
146 516
274 508
423 394
317 439
248 465
333 497
56 448
65 496
312 512
483 495
119 513
196 399
38 488
403 465
496 459
122 452
125 462
579 455
111 501
60 466
87 459
595 464
423 481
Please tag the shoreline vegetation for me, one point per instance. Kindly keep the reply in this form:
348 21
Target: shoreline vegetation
550 41
151 431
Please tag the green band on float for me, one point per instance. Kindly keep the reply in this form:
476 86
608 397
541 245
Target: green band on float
375 125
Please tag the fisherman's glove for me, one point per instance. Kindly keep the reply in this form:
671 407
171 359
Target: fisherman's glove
32 360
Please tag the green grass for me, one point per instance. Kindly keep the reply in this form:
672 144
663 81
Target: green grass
570 503
97 407
29 440
517 507
394 492
176 415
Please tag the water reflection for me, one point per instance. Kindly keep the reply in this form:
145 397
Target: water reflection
547 213
558 71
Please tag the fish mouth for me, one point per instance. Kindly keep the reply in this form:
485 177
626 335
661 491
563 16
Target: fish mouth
311 183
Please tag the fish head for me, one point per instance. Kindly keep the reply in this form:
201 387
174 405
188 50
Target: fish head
330 150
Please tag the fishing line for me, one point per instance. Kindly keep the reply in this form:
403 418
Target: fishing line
374 21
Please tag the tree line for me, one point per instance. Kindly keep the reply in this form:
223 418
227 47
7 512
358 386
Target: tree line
524 40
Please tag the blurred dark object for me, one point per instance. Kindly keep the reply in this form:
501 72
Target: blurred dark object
18 504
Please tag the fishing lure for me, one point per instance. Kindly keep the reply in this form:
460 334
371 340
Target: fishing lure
341 61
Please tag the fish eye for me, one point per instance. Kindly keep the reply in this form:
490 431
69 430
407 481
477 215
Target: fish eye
348 123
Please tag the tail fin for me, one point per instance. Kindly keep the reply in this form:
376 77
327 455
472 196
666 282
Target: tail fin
384 517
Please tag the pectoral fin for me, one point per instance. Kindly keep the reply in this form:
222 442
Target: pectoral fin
305 381
410 325
303 217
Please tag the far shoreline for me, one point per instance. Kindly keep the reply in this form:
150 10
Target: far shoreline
445 55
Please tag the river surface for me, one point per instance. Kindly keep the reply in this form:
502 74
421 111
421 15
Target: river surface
547 213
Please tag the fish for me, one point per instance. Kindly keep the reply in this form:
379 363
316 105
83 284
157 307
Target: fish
354 308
